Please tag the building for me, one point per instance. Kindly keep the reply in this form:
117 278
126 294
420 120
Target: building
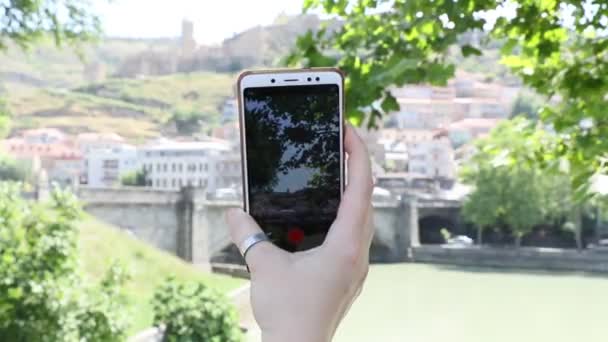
466 130
106 166
229 111
44 136
88 142
188 44
430 107
433 158
47 149
228 131
92 144
425 107
171 165
228 171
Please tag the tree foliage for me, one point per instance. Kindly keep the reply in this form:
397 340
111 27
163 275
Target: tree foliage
135 178
513 185
527 105
557 47
191 121
194 312
26 22
11 170
43 297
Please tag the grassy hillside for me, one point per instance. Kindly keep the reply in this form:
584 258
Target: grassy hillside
101 244
135 108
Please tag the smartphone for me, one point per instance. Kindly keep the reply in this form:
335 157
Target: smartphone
292 135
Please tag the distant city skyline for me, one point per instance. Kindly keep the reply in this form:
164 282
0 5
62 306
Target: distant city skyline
213 21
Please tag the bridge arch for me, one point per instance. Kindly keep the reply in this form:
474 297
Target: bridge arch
430 228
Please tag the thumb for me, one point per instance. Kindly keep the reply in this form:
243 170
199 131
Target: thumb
243 226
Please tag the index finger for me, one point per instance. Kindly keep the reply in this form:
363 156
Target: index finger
355 204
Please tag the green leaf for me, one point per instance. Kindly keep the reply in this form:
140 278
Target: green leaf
15 293
469 50
389 104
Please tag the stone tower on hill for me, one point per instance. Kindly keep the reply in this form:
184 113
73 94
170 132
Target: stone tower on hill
187 39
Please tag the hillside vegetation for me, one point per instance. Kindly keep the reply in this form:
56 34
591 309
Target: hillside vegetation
102 244
134 108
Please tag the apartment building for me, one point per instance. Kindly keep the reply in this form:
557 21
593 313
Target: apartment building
106 166
47 149
171 165
433 158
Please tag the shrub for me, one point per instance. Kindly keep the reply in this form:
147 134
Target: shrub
43 297
194 312
11 170
135 178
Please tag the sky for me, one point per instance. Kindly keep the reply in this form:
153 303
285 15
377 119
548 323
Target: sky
214 20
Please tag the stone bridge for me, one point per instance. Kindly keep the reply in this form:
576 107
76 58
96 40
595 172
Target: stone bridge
185 223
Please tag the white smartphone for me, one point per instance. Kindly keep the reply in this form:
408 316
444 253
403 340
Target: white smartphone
292 134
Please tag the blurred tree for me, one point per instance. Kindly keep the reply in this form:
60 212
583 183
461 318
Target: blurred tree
190 122
11 170
134 178
527 105
43 296
557 47
513 185
25 22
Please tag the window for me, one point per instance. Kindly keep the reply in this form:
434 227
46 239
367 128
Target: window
181 183
179 168
200 167
158 167
173 167
206 167
165 167
110 164
173 181
157 183
164 183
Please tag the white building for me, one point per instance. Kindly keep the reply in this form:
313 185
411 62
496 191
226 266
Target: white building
105 167
229 110
433 158
96 146
171 165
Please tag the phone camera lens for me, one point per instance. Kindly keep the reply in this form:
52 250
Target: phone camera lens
309 79
317 79
272 80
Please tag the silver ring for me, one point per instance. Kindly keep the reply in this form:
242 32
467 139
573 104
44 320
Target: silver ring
252 241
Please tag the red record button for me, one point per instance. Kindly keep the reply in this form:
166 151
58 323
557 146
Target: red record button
295 235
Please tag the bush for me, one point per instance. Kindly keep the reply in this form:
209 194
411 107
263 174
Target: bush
135 178
194 312
11 170
43 297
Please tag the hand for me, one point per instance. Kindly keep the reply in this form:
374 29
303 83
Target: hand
303 296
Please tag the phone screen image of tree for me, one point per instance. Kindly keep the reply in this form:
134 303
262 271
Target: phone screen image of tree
293 160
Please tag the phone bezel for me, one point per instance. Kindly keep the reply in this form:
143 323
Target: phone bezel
282 78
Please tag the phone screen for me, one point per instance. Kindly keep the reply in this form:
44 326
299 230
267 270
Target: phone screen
293 161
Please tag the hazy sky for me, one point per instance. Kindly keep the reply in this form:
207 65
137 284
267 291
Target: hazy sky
213 20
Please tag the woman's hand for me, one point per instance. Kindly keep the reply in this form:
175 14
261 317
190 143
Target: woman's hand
303 296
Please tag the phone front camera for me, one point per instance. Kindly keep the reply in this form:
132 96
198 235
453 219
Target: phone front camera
272 80
317 79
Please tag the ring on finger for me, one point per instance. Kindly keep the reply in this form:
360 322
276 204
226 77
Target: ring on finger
251 241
